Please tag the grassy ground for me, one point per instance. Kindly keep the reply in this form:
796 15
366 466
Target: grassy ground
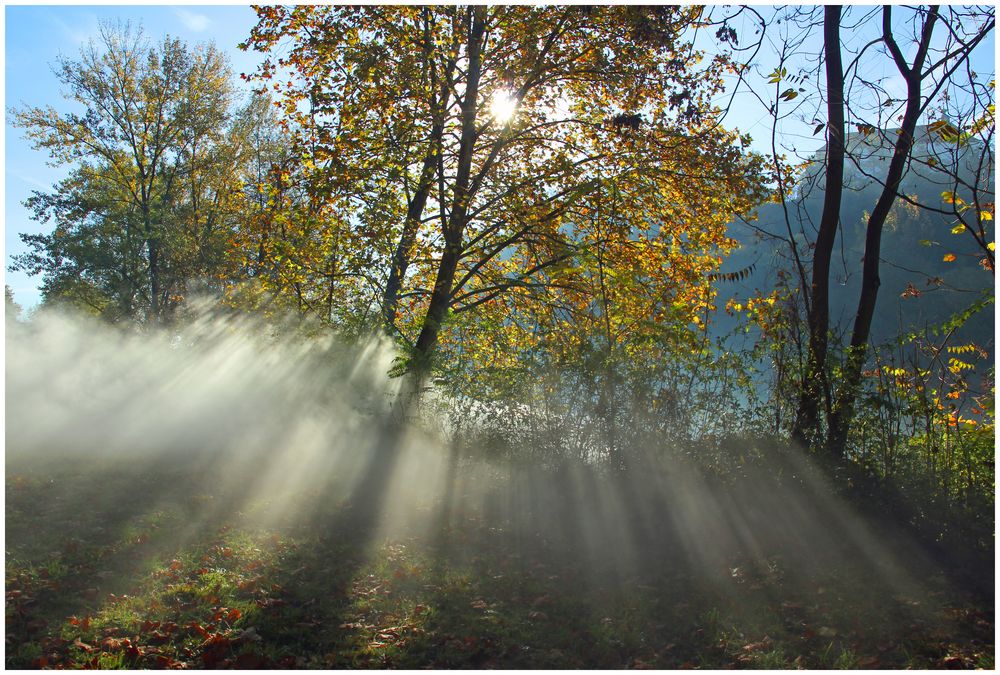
143 567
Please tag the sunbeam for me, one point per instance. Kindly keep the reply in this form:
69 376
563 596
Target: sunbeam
232 424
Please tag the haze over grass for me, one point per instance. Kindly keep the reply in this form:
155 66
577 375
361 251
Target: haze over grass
287 424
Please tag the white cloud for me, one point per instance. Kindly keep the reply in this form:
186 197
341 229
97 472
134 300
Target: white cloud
85 29
30 180
192 20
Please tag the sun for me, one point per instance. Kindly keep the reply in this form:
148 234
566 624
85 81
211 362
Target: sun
503 106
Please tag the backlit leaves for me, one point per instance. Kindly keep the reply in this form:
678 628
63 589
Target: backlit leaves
528 235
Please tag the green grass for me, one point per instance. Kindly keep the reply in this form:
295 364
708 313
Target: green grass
108 577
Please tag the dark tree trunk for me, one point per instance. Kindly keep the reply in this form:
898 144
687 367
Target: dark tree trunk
455 228
815 386
415 209
404 249
440 302
843 411
153 256
154 281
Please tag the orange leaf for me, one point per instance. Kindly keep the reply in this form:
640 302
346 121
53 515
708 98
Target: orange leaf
949 257
83 645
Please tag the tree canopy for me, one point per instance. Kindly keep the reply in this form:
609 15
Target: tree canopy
476 168
154 151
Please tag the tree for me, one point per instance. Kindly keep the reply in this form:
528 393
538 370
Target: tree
882 153
139 214
498 123
12 310
815 386
917 99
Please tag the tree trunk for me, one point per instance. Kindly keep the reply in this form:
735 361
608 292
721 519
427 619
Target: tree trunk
455 228
154 281
414 214
153 256
815 386
843 411
415 209
439 305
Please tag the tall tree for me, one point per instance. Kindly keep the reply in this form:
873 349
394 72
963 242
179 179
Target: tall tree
881 153
136 217
514 112
815 388
915 74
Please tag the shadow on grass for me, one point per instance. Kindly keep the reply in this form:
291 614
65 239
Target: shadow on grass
514 568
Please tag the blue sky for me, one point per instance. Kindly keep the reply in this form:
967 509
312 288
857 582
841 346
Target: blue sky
37 35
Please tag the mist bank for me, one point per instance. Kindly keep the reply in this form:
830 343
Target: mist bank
290 429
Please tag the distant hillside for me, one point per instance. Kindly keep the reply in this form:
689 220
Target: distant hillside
919 288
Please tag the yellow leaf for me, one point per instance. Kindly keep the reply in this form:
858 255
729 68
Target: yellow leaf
958 229
950 257
992 246
985 215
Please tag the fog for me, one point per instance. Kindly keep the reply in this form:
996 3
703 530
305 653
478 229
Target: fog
285 427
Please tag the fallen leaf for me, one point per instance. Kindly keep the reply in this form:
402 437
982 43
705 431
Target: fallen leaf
763 645
198 627
156 637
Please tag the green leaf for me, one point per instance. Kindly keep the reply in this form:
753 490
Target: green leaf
946 130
